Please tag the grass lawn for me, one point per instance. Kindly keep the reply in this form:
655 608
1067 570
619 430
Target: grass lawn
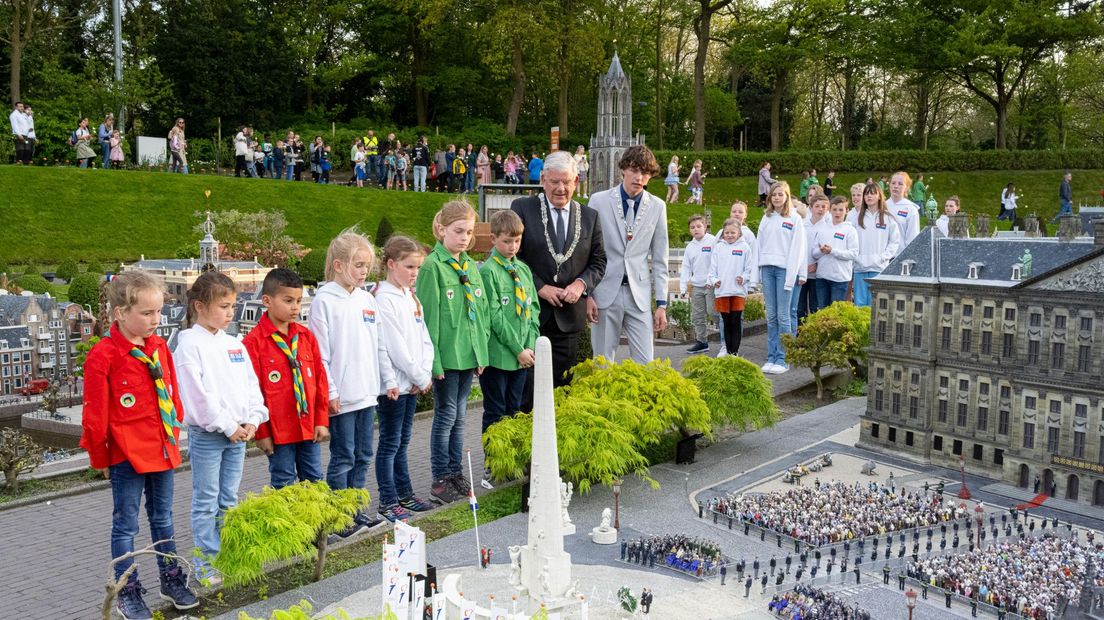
53 214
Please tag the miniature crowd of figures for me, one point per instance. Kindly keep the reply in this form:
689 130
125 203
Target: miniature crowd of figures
690 555
831 512
794 474
1032 576
808 602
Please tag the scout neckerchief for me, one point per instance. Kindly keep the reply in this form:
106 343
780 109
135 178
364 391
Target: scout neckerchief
292 354
164 402
519 291
469 297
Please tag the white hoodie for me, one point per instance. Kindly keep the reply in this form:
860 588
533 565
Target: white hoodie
218 387
729 261
406 343
347 327
695 262
781 243
908 217
811 230
837 265
878 243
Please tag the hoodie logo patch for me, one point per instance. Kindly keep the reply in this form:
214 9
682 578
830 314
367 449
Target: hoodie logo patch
706 249
237 356
788 225
881 226
737 252
369 316
903 213
839 236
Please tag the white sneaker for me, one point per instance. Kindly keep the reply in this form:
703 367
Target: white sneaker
779 369
722 352
486 484
766 368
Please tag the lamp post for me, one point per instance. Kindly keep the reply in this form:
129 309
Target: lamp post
616 504
963 493
910 601
979 517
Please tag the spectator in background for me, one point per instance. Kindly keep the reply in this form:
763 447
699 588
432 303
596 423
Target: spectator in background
381 171
497 171
444 165
581 162
483 164
1065 197
83 137
316 149
536 167
18 120
279 159
765 182
420 159
177 148
115 143
371 151
472 161
672 180
103 135
919 192
1008 203
28 154
243 154
459 172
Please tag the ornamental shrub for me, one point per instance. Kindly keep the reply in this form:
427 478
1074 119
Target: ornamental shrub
33 282
282 524
754 310
857 321
734 389
822 340
312 267
84 289
67 270
19 454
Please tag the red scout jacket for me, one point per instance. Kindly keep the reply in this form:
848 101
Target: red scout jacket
274 372
121 418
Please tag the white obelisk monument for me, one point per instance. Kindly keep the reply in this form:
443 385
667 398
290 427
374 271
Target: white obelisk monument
545 566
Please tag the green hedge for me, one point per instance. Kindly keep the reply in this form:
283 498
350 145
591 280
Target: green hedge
737 163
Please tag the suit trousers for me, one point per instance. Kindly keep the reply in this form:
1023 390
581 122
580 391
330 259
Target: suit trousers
622 315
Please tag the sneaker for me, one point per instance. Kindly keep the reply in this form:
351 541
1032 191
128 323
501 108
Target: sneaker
362 518
174 588
766 368
355 528
394 512
486 483
722 352
129 602
779 369
444 492
460 483
415 504
698 347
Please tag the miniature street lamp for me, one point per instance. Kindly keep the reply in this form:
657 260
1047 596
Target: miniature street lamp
616 506
910 601
963 493
979 517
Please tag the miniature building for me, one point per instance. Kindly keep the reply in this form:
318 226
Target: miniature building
989 350
614 135
45 322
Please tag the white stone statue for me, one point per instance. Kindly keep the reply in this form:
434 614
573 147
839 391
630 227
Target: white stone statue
515 564
607 518
566 489
604 534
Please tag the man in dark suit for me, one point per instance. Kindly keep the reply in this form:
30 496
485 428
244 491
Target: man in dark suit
562 245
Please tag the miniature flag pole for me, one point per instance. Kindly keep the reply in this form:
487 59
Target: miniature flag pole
475 510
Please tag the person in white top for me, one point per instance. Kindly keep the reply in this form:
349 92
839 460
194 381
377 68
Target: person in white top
21 128
805 301
907 213
879 240
1008 203
409 352
223 407
783 264
835 249
344 320
731 274
739 212
694 277
950 208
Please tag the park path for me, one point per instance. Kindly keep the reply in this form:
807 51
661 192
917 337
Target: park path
54 555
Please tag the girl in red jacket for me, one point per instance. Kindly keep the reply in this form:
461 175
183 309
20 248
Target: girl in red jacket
132 418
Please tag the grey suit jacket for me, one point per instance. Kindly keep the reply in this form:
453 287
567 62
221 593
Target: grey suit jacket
643 260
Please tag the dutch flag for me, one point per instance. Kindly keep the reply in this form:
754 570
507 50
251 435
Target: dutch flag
472 501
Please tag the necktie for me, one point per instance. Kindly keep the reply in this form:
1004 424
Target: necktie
469 296
519 291
292 354
164 403
561 231
629 206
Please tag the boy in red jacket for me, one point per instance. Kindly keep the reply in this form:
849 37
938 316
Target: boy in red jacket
289 366
132 418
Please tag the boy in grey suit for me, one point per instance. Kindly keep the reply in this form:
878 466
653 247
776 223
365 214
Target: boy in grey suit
634 231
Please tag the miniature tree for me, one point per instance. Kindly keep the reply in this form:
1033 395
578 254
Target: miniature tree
384 231
67 270
857 321
734 389
51 398
281 524
95 268
261 234
312 268
84 290
302 611
19 454
82 354
115 585
823 340
33 282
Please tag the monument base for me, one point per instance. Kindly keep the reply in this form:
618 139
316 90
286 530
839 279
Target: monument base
603 537
569 529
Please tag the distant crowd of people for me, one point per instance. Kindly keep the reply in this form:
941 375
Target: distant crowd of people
806 602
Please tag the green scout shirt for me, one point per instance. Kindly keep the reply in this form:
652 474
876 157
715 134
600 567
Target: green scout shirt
458 342
510 333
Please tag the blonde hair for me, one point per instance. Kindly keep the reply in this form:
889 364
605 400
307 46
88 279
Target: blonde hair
858 186
738 202
453 211
399 247
905 176
124 289
787 207
344 247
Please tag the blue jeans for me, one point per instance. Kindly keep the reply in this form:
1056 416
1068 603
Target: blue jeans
396 424
105 147
350 448
469 179
217 465
446 443
829 292
290 462
420 178
127 487
503 392
1066 208
799 304
289 171
777 300
380 177
862 289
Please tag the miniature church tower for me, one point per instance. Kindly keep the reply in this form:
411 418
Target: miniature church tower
614 127
208 247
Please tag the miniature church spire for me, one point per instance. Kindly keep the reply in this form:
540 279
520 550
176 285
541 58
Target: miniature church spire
208 246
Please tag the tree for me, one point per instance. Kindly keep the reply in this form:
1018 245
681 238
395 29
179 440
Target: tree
259 234
19 454
703 24
749 407
84 290
33 282
67 270
383 231
312 268
833 336
27 20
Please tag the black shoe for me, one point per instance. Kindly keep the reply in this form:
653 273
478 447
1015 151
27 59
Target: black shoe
367 521
444 491
174 588
698 347
129 602
461 484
